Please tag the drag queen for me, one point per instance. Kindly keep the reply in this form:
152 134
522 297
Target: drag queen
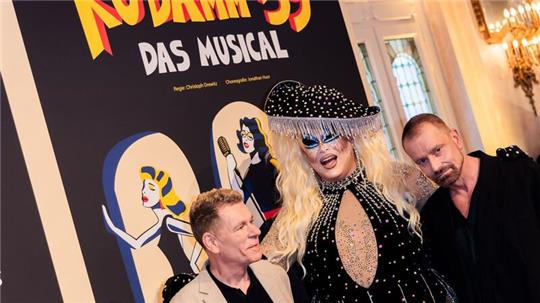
348 215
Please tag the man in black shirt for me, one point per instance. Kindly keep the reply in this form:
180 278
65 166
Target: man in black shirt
223 225
482 225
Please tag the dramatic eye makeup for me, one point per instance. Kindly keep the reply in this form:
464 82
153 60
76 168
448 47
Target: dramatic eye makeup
330 138
311 142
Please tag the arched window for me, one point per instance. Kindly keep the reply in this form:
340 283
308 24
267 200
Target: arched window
407 69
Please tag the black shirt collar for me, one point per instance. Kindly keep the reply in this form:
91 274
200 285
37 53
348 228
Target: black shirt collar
255 292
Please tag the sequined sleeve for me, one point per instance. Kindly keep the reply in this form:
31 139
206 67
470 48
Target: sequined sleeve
417 183
271 244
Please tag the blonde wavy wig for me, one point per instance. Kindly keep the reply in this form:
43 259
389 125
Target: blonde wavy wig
301 198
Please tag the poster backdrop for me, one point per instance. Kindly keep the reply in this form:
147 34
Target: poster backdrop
116 114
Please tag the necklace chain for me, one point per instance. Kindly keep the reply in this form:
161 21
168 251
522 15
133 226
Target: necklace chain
357 177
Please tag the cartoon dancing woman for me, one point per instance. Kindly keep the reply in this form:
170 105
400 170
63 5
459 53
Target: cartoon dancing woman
159 196
260 178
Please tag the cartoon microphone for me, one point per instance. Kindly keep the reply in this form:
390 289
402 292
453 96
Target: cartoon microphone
226 151
224 146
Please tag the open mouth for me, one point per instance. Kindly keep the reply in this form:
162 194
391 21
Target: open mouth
144 199
246 145
328 161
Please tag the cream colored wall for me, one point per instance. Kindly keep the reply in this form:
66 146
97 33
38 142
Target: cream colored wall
372 22
490 112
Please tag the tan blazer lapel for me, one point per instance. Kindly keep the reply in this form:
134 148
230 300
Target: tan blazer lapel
208 290
277 286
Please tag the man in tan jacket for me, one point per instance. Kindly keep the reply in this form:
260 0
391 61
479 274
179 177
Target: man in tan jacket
223 225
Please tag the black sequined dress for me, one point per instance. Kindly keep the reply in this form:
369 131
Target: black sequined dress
402 269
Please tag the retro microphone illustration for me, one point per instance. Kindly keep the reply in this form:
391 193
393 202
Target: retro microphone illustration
224 146
226 150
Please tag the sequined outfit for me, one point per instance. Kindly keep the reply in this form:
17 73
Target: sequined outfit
401 272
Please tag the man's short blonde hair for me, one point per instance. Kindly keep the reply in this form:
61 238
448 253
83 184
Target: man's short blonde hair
204 210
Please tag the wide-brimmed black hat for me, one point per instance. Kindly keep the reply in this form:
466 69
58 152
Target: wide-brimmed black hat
296 109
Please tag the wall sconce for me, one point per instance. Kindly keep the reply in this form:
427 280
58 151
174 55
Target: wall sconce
519 31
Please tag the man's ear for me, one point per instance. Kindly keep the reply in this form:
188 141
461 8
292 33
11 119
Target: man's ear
454 135
211 242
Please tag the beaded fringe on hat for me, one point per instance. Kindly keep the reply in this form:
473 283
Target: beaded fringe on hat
348 127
